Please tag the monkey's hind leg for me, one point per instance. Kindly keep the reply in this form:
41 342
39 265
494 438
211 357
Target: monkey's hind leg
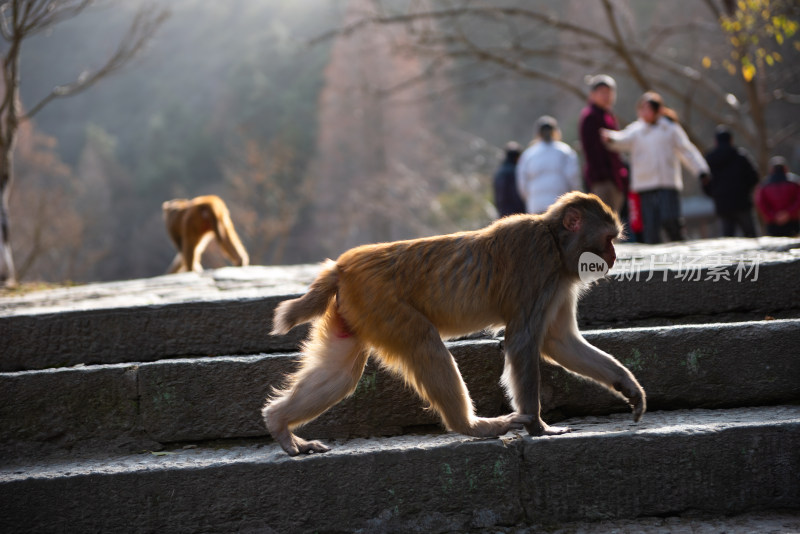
333 361
428 366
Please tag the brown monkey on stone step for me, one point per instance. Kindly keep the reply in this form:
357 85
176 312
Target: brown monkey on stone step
399 300
191 224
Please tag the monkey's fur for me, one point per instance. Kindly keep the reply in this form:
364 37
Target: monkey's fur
397 300
191 224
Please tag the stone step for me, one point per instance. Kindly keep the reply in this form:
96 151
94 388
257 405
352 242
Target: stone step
716 462
39 339
196 399
690 522
229 311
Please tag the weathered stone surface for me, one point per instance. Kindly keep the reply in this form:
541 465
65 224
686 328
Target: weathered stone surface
229 311
141 334
712 461
731 461
723 365
685 523
701 292
63 407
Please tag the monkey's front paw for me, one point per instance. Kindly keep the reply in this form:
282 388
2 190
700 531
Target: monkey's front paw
639 406
636 397
541 428
637 402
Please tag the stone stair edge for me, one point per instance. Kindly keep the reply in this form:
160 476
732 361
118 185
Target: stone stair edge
592 427
192 399
230 284
590 334
676 462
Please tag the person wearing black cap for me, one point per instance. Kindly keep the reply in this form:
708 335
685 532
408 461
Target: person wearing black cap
731 183
605 174
506 196
778 200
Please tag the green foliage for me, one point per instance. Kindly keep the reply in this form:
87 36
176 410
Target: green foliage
754 29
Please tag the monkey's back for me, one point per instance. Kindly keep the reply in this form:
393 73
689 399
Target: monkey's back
460 282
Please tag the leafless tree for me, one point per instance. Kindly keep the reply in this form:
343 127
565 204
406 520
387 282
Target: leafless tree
19 20
525 38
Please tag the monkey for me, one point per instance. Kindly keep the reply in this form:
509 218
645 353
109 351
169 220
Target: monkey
191 224
399 300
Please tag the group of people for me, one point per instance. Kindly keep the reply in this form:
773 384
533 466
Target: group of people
646 191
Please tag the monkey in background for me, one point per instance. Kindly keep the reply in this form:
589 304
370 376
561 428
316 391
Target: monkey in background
191 224
400 299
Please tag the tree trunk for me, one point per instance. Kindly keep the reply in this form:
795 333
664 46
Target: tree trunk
756 101
8 275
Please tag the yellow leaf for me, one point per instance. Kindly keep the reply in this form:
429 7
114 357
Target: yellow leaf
748 72
706 62
770 61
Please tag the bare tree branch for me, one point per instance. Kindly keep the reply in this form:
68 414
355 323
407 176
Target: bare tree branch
479 12
658 34
45 14
784 134
142 29
520 68
713 7
506 34
622 49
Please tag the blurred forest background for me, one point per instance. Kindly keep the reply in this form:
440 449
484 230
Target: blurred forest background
389 130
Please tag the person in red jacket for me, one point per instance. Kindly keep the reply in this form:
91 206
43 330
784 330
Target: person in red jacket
778 200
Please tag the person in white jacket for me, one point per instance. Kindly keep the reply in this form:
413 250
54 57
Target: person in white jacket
657 145
547 169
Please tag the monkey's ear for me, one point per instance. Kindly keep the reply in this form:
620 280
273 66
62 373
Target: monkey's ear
572 219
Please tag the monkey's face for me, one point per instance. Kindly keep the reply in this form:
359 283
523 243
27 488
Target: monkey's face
609 253
590 231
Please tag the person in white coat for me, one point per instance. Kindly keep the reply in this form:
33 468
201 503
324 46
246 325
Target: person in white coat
547 169
658 145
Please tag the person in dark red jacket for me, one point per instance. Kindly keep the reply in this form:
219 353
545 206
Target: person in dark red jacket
605 174
778 200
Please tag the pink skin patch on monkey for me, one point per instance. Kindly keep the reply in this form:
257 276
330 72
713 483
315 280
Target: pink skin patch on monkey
340 327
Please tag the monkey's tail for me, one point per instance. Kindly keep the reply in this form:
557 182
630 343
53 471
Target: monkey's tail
291 313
